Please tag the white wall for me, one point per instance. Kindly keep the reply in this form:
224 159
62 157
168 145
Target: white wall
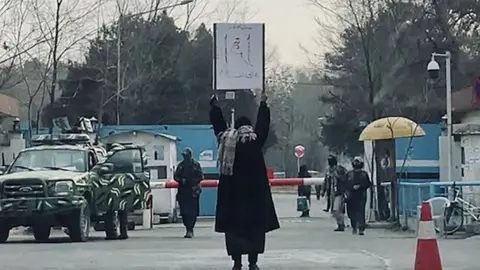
471 147
456 159
149 141
471 118
471 164
17 144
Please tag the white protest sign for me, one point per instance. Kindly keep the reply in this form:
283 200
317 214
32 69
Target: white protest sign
239 56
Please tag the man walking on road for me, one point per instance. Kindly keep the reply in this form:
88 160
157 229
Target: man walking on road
336 179
245 211
328 184
188 175
359 183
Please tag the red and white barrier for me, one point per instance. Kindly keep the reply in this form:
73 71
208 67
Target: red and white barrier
275 182
147 215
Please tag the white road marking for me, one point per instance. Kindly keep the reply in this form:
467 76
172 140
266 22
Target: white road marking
214 258
386 262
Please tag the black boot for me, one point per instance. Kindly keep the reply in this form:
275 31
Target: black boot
189 234
253 267
237 262
340 228
305 214
252 261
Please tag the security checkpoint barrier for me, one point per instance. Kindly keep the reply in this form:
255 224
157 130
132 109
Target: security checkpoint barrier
147 215
275 182
211 183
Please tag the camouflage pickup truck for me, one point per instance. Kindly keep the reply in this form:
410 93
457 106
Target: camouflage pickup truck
72 186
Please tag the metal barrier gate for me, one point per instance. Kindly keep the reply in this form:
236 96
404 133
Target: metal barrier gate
147 216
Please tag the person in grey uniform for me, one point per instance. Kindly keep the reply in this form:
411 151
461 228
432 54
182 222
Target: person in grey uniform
337 176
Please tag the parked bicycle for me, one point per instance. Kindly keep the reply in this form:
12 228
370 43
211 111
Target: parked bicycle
456 210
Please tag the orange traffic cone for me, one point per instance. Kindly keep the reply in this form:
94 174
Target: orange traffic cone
427 256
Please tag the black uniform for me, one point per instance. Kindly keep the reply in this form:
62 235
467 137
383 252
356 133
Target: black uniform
359 183
245 210
188 175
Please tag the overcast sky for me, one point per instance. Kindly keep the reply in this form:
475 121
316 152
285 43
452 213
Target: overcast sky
289 23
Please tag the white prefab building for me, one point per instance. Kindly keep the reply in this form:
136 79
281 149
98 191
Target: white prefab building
161 150
466 136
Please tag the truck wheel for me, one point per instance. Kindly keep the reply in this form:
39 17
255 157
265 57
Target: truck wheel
41 233
4 233
79 226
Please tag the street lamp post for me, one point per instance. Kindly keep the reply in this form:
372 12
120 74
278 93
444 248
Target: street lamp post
119 48
433 68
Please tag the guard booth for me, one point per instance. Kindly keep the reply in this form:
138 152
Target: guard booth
161 150
200 139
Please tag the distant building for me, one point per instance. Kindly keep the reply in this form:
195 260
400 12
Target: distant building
466 130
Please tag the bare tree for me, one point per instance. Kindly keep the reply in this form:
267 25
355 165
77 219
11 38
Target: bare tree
18 36
63 28
35 77
357 19
234 11
280 84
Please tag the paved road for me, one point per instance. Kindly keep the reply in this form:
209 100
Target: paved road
303 244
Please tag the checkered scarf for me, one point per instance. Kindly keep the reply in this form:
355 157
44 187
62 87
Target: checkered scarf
227 145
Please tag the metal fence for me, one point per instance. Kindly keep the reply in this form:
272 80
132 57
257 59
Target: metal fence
411 195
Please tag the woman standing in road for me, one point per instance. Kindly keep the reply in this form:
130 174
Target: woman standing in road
245 211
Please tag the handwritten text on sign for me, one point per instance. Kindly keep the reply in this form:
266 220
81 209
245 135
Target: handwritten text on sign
239 61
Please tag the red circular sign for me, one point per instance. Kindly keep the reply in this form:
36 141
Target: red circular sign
299 151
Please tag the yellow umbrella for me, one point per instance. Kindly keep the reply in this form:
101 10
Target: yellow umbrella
391 128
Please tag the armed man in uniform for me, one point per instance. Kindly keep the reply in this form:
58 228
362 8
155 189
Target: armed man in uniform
336 186
188 176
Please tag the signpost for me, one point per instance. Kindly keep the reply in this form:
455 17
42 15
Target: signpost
238 58
299 153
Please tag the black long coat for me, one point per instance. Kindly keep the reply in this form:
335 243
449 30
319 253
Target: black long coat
244 200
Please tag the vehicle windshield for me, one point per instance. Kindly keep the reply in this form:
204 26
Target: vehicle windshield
50 159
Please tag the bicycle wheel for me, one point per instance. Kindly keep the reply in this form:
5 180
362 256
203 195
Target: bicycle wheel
452 219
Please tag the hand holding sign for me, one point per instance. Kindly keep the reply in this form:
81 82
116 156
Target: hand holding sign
213 100
264 96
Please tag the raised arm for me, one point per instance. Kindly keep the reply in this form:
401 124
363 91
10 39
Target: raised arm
216 117
262 126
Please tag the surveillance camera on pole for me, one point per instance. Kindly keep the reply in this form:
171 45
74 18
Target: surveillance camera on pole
433 68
